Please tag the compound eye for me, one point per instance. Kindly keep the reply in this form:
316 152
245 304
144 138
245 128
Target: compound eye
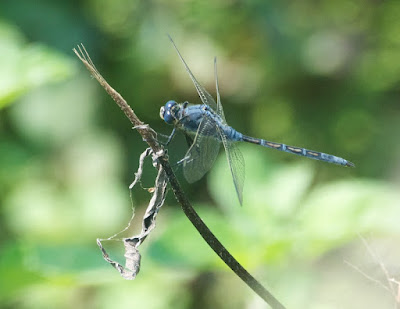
168 118
166 111
162 111
170 104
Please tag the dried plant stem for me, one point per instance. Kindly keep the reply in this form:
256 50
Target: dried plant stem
148 135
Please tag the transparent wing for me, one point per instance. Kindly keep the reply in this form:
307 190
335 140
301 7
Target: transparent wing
204 150
202 153
233 154
236 165
219 110
205 97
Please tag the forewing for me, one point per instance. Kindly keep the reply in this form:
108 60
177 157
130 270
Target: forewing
236 165
202 153
220 110
205 97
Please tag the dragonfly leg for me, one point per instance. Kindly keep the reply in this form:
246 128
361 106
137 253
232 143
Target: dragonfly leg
182 160
187 158
163 136
171 137
168 137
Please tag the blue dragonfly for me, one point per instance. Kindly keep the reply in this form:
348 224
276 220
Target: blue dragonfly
205 128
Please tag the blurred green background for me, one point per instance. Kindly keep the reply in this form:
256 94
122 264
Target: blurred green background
318 74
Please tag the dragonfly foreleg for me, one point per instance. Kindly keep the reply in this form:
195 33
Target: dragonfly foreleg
167 137
171 136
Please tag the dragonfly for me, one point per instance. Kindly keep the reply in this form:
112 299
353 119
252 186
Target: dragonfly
205 128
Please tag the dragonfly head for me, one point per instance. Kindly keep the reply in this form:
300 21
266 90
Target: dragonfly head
167 112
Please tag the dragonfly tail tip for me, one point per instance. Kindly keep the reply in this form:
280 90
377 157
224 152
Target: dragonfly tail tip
350 164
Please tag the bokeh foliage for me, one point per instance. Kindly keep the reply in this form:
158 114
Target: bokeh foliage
319 74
